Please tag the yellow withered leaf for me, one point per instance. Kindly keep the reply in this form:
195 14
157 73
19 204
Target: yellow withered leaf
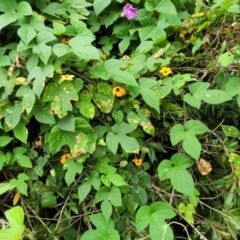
21 80
16 198
204 167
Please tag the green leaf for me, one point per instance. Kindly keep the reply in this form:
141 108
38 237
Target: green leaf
60 97
181 160
139 195
91 234
8 5
4 187
188 211
226 59
39 168
5 140
20 183
191 145
144 47
81 46
67 123
32 62
182 181
5 61
23 160
196 127
133 119
192 101
39 75
94 180
104 98
58 138
112 194
106 209
58 29
119 136
72 169
233 86
7 18
27 33
44 37
143 218
24 9
229 131
116 180
167 8
115 196
199 92
12 114
159 229
153 33
84 143
48 199
117 115
105 180
176 134
28 97
214 96
154 216
124 44
198 43
61 49
102 194
7 83
99 5
83 190
113 66
103 167
43 51
85 106
44 114
148 95
15 216
20 131
175 169
164 170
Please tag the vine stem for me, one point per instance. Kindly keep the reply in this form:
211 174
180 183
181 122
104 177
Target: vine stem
195 229
61 212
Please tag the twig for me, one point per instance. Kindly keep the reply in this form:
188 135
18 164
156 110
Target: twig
40 220
63 207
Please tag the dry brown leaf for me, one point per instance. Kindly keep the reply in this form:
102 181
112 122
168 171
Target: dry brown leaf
204 167
38 142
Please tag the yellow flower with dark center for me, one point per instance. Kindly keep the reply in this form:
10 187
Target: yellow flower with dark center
64 157
165 71
67 77
119 91
138 162
65 40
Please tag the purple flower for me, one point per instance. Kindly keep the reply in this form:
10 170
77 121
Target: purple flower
129 11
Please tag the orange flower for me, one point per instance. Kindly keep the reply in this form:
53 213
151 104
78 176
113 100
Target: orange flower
64 157
165 71
138 162
65 40
119 91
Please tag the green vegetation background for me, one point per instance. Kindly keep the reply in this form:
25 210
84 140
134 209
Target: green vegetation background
119 120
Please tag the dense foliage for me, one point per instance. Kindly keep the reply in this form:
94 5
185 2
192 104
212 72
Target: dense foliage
119 119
